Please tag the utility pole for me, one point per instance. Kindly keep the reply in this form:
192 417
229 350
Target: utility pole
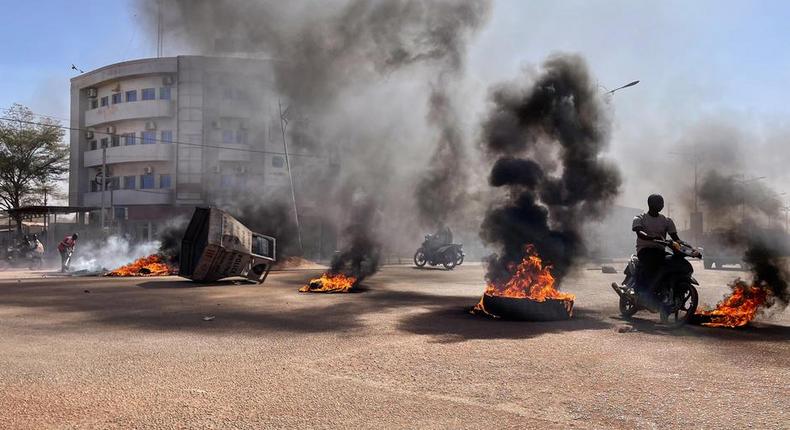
283 124
103 181
697 227
159 29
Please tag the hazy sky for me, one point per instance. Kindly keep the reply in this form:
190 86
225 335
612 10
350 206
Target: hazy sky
711 71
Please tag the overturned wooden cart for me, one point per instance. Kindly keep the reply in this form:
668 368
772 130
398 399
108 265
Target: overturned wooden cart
217 246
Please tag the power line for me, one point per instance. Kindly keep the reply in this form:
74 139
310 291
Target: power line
200 145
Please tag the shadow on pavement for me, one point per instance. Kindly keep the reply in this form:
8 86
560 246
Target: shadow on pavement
453 323
758 331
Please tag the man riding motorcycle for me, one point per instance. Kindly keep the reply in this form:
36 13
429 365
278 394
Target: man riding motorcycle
648 227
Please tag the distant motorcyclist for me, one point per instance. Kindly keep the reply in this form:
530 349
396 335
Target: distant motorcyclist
66 248
648 227
443 236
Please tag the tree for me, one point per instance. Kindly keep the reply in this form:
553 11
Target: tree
32 156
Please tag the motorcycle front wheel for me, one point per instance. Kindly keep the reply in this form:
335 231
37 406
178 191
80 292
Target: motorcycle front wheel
460 259
627 307
419 258
681 307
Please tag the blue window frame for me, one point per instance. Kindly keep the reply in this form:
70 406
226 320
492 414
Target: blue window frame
241 137
164 93
164 181
131 96
117 98
129 139
228 181
129 182
105 101
227 136
149 137
149 93
146 182
167 136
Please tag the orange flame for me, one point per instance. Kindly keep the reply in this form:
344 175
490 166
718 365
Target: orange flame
146 266
330 283
531 280
737 309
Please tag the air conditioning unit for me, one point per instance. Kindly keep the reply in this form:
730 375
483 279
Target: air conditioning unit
167 80
111 129
217 169
243 124
148 170
242 169
93 93
117 88
150 125
89 134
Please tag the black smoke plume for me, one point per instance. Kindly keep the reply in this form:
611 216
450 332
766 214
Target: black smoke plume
545 138
361 256
737 207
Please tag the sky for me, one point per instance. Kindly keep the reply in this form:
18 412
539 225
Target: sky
713 73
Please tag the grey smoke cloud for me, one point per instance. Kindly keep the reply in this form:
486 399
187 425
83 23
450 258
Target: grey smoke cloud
376 78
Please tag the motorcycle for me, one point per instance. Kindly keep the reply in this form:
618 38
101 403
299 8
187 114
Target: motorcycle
449 255
672 293
24 253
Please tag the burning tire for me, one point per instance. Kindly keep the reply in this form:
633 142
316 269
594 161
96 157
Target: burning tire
681 307
419 258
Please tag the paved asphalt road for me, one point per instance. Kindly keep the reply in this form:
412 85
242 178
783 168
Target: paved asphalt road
136 353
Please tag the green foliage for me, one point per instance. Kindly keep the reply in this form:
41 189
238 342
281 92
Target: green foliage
32 156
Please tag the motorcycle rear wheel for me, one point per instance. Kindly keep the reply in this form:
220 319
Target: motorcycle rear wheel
682 306
419 258
449 263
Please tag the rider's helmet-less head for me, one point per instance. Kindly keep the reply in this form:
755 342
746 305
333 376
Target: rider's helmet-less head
655 203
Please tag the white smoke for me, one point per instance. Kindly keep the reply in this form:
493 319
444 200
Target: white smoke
110 254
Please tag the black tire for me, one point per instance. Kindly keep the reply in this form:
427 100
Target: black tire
682 306
449 262
460 260
419 258
627 307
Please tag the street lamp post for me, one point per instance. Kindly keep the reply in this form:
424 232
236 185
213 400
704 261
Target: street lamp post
743 182
630 84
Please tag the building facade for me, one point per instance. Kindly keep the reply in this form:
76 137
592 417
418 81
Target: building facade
174 133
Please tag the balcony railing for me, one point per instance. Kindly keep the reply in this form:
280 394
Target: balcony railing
130 110
131 153
129 197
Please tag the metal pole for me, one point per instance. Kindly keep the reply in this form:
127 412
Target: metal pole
290 176
103 182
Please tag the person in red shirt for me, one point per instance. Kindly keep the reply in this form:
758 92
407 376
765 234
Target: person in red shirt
66 248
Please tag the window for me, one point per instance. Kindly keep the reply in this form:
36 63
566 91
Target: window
227 136
164 93
131 96
94 103
117 98
278 161
164 181
167 136
94 145
116 140
149 137
119 213
146 181
149 93
129 139
228 180
129 182
105 101
241 137
113 183
104 142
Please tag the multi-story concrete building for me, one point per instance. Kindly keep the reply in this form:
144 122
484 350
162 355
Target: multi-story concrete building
175 133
